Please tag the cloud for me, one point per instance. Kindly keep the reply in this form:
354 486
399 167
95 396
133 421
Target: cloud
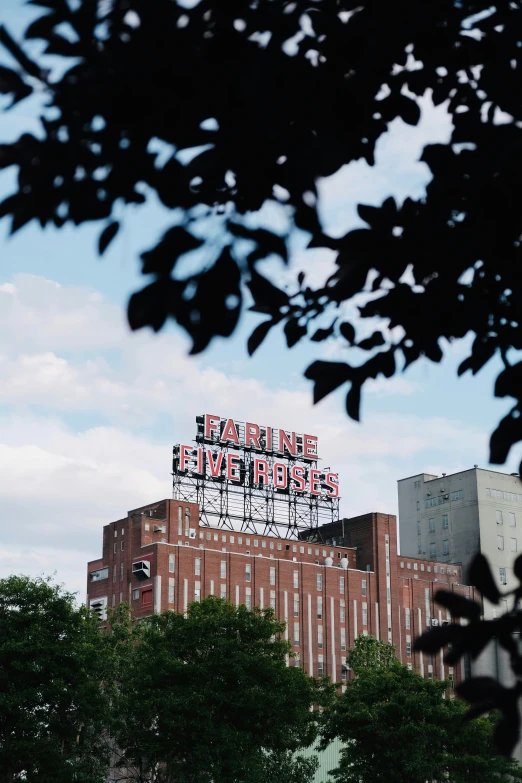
89 419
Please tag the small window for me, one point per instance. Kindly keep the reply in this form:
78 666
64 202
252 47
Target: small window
445 547
272 576
512 519
135 595
147 526
296 579
488 492
408 646
365 614
319 607
248 573
240 540
407 620
320 667
187 515
296 606
271 545
433 550
309 551
341 585
209 536
422 567
224 539
445 521
115 533
197 591
343 638
216 537
248 598
342 614
171 591
294 548
431 526
197 566
408 565
301 550
256 542
513 544
263 544
272 600
363 587
279 546
402 563
121 572
317 552
320 637
223 570
500 542
296 633
247 542
499 517
415 567
223 592
442 571
319 581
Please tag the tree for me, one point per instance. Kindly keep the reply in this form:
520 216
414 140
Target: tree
371 653
281 94
209 697
396 725
53 709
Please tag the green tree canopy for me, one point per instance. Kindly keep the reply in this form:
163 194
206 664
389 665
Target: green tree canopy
53 708
207 696
397 726
371 653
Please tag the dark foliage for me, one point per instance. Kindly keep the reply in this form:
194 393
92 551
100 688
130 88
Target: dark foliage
219 77
483 693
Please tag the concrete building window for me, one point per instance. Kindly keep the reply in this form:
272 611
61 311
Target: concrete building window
418 527
419 547
272 576
499 517
433 550
135 595
248 573
502 575
121 572
445 547
458 495
319 581
223 592
272 600
488 492
407 620
343 638
341 585
431 525
320 637
408 646
172 563
197 591
365 614
296 606
248 598
171 590
197 566
342 616
296 579
513 544
500 542
363 587
445 521
223 571
320 666
319 607
512 519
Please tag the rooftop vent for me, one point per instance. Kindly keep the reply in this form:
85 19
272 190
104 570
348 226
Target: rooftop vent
141 569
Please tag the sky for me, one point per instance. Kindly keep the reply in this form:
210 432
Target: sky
89 411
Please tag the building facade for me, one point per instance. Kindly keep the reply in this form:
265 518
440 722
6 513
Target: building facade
327 592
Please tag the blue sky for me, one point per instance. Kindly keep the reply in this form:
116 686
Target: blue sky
89 412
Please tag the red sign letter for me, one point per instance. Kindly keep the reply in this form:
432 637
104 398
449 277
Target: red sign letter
211 425
185 453
260 471
314 481
252 435
230 432
297 476
310 446
288 444
233 467
280 475
214 468
332 480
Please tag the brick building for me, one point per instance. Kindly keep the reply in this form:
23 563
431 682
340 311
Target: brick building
329 586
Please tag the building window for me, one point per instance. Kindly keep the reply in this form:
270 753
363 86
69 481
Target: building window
433 550
122 545
319 607
297 661
445 521
121 572
197 591
408 646
296 579
488 492
320 637
114 573
294 548
500 542
363 587
256 542
320 666
319 581
431 526
309 551
296 633
248 573
301 550
223 572
115 547
271 545
279 546
223 592
248 598
407 621
216 537
513 544
512 519
171 590
365 614
115 533
458 495
209 536
171 563
231 539
430 672
146 598
502 575
187 516
296 606
415 566
408 565
499 517
240 540
272 600
419 547
272 576
342 616
344 672
445 547
135 595
442 571
197 566
341 585
343 638
147 526
402 563
418 527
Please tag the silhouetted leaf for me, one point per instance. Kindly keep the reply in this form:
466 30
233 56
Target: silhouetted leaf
11 82
348 332
373 341
458 605
258 335
508 432
481 353
480 576
435 639
173 244
517 568
323 334
267 241
294 331
106 236
409 110
480 689
327 376
353 401
267 297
